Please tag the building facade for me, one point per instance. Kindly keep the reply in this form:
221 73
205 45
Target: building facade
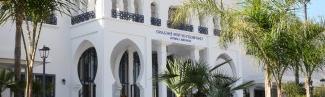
115 48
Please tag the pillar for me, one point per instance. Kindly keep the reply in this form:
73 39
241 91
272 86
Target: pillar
119 6
162 61
251 92
131 6
195 54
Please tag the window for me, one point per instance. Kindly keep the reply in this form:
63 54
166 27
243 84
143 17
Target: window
87 68
155 83
128 81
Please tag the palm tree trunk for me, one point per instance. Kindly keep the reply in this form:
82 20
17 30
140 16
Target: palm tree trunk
305 10
17 52
307 86
29 80
279 91
297 74
267 82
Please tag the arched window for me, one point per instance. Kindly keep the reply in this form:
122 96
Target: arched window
129 71
87 68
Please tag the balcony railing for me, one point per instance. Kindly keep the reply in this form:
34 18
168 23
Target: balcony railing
155 21
127 16
115 14
203 30
181 26
138 18
216 32
52 20
83 17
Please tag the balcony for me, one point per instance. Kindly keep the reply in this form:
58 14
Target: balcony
203 30
83 17
181 26
124 15
114 13
138 18
155 21
216 32
52 20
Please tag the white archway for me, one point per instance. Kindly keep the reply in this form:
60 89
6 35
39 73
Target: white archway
229 67
86 86
118 55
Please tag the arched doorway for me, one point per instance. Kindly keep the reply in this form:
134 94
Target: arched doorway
129 70
87 69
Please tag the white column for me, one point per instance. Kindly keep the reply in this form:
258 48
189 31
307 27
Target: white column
146 8
130 69
163 11
162 61
195 54
195 21
131 6
148 69
251 92
119 6
106 9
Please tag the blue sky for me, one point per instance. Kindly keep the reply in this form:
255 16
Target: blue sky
316 8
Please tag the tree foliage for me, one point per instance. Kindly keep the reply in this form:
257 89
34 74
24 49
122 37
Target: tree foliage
184 76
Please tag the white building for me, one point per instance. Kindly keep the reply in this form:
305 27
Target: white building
114 47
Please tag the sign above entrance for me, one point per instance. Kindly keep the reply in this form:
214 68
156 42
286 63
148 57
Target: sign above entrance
179 37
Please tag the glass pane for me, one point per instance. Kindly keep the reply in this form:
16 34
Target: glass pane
136 72
124 74
155 85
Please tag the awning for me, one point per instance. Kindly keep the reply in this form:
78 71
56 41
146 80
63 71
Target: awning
10 63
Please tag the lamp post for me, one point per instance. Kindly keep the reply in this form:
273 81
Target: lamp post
44 53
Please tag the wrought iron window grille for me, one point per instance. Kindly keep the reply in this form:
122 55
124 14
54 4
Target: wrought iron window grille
83 17
155 21
203 30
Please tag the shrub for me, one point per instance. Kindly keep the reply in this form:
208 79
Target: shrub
291 89
319 91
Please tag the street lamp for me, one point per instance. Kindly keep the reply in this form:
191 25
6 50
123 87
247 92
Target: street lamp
44 53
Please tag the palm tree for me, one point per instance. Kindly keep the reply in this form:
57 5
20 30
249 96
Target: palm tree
38 11
6 80
198 76
312 50
174 75
265 19
224 87
14 9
